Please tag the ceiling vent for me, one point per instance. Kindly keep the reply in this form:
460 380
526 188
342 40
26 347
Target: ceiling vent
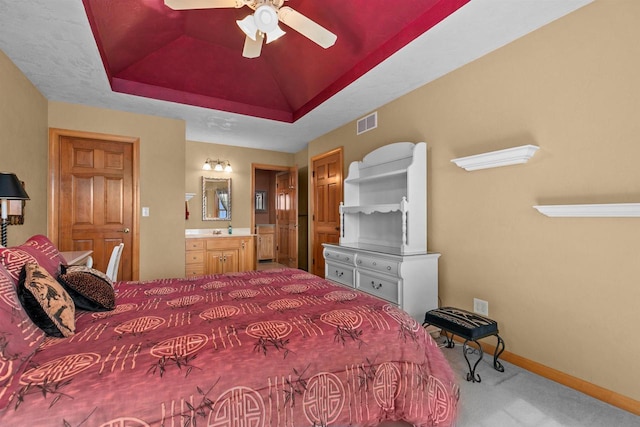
367 123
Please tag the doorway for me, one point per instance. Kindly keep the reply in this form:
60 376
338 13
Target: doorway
274 203
93 182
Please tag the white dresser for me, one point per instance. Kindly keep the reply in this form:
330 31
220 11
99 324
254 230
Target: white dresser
408 281
383 230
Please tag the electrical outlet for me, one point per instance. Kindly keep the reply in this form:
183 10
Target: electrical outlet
145 211
481 307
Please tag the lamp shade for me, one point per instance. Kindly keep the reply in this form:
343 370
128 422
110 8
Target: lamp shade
11 188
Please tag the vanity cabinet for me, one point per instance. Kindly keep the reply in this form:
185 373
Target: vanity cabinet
382 248
215 255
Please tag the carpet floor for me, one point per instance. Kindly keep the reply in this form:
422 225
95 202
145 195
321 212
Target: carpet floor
517 397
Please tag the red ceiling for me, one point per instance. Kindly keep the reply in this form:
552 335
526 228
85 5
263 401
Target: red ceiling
195 57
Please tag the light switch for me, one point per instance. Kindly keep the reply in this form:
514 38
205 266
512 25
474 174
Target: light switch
145 211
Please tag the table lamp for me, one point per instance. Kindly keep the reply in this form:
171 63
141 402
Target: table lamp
10 189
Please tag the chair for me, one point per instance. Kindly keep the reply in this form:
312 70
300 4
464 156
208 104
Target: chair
114 262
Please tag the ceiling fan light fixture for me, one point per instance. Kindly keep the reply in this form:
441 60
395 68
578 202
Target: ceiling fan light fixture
266 18
248 26
275 34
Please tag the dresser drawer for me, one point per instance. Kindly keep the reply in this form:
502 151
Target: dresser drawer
339 273
194 257
378 264
194 270
331 255
194 244
380 287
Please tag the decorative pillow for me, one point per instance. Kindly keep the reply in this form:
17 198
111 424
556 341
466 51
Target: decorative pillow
19 339
83 268
89 291
46 302
37 249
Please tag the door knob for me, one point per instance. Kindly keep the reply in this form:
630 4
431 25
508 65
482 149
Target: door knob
126 230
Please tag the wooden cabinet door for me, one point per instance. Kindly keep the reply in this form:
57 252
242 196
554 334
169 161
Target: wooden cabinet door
214 263
230 261
247 255
265 246
223 261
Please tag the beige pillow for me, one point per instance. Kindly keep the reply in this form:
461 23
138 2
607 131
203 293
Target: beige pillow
46 302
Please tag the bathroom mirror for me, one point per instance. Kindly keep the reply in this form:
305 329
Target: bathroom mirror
216 199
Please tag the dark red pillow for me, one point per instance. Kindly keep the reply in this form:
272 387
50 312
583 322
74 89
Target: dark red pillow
37 249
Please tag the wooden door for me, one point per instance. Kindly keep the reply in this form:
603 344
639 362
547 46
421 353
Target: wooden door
287 217
326 177
94 197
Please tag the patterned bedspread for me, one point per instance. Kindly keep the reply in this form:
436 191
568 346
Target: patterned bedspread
262 348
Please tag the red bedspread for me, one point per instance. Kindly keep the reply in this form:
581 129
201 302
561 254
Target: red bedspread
268 348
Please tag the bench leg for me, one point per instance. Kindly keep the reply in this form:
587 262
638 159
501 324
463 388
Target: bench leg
466 349
496 354
450 342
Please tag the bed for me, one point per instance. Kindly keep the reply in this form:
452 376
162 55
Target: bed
262 348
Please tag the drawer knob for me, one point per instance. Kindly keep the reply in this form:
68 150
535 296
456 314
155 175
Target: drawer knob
374 263
359 262
378 286
388 267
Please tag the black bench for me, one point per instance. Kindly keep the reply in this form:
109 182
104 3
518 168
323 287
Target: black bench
471 327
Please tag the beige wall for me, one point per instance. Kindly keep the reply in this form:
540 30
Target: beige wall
161 178
23 146
241 160
564 291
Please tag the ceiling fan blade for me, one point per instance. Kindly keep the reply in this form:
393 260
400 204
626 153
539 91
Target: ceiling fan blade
305 26
202 4
252 48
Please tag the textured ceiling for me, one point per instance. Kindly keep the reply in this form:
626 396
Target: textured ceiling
143 66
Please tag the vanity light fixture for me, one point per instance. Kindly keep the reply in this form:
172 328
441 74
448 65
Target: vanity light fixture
218 166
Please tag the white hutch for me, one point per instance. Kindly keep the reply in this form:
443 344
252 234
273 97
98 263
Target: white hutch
383 230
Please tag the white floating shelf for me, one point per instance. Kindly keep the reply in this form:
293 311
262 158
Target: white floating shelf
620 210
494 159
189 196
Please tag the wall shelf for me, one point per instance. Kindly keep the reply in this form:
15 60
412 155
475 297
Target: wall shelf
382 208
617 210
494 159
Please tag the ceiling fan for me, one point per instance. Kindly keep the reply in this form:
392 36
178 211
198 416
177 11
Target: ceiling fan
264 22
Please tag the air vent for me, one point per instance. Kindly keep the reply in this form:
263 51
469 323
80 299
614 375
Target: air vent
367 123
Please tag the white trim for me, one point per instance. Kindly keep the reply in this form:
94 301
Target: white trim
619 210
506 157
